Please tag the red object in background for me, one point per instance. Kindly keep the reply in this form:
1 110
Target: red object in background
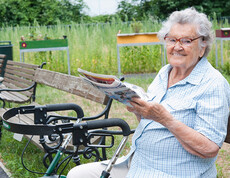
24 45
223 33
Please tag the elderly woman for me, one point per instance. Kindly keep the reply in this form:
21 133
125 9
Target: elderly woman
184 124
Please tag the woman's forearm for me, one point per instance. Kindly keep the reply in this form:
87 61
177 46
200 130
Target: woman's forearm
192 141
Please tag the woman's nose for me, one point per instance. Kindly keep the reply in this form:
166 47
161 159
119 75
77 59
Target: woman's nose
178 46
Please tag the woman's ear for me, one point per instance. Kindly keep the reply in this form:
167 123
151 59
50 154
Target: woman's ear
202 51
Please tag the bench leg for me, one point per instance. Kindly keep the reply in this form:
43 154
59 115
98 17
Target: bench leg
3 103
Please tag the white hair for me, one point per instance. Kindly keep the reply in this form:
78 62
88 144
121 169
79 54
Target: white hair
190 16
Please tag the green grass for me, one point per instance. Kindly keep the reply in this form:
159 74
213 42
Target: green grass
11 151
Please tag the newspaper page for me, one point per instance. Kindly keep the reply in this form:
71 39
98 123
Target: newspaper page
113 87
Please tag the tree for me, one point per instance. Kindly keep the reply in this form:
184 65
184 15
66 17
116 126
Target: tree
48 12
71 11
126 11
163 8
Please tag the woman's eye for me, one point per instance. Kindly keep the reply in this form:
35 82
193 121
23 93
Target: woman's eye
186 41
172 40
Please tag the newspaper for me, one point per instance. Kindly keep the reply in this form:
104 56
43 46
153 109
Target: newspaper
113 87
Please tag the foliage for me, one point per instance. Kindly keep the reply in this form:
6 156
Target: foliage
126 11
162 8
136 26
226 68
48 12
142 59
99 19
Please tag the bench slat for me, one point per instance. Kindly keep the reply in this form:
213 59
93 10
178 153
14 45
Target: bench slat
19 79
2 57
14 97
21 69
19 73
70 84
26 65
19 96
14 83
5 85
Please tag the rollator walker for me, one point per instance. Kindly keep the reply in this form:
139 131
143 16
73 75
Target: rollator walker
79 132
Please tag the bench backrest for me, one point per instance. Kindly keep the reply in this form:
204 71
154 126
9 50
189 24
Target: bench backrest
20 75
2 58
71 84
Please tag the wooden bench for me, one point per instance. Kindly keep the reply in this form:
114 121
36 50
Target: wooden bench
2 59
68 83
18 85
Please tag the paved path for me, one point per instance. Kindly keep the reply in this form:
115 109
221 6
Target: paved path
4 173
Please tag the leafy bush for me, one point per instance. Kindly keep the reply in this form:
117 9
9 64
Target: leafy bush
226 68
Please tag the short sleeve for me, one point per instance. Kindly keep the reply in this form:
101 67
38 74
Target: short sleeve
213 111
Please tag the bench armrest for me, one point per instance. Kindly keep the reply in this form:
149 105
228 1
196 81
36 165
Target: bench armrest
18 90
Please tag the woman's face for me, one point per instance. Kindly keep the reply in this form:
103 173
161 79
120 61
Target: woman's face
182 56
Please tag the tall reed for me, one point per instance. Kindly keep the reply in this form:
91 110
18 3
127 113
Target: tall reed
93 46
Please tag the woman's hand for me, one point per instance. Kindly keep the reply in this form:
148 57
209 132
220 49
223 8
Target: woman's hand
149 110
132 109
